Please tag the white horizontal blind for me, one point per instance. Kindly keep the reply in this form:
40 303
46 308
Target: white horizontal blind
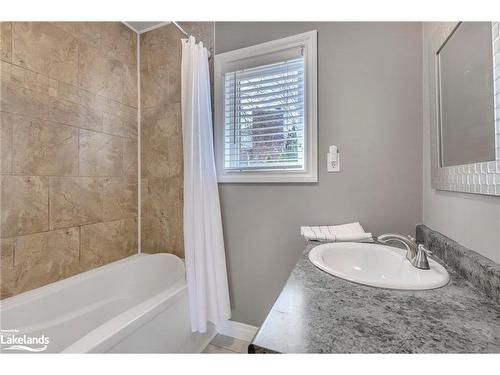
264 117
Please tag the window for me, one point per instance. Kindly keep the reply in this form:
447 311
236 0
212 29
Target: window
266 126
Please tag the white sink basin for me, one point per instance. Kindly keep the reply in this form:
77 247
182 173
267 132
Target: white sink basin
376 265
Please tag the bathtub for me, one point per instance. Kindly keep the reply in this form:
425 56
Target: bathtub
135 305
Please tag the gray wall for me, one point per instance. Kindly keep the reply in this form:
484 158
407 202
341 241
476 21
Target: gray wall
370 98
470 219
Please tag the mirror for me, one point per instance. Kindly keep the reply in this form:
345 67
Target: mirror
466 95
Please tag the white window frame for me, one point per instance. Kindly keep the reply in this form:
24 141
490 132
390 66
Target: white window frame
308 41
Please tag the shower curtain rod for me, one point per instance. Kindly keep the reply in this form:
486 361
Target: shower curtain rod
179 27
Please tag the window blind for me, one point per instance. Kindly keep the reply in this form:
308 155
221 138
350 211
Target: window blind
264 116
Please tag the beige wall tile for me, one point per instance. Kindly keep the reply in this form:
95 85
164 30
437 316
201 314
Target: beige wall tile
8 274
89 32
70 113
46 49
130 157
119 198
159 236
107 242
100 73
43 148
43 258
120 42
161 138
164 192
161 46
74 94
23 92
75 201
144 193
119 119
113 38
174 86
24 205
154 87
16 99
6 41
25 78
130 88
6 142
162 223
100 154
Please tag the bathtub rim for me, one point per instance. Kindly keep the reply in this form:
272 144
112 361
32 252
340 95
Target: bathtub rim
120 326
48 289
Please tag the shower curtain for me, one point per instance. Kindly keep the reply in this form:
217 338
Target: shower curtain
203 241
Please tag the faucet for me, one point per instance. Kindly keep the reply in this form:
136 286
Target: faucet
416 254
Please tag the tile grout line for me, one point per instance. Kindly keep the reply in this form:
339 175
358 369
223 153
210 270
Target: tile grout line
48 120
28 174
77 85
68 227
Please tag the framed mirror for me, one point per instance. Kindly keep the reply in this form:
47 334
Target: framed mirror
465 121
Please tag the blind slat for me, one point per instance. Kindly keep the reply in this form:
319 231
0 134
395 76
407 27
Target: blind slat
232 130
271 112
265 153
267 141
248 122
264 167
270 104
258 94
273 85
293 76
283 96
263 135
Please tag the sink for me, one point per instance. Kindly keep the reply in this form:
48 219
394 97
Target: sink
376 265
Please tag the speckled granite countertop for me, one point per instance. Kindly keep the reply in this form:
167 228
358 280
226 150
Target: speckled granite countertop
319 313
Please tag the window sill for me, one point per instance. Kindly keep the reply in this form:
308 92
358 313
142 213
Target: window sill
267 177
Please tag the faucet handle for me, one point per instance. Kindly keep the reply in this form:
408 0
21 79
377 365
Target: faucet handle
412 239
424 249
420 260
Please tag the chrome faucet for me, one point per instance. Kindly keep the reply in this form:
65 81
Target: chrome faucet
416 254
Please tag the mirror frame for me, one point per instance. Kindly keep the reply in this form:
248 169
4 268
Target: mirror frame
476 178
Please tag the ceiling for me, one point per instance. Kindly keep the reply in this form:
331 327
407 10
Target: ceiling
141 27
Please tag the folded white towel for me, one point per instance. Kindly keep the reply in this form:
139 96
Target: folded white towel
336 233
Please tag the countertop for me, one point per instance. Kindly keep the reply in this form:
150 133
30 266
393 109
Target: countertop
320 313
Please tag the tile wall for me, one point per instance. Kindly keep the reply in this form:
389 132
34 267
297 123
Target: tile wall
68 149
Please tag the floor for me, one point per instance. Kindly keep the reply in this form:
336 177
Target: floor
226 345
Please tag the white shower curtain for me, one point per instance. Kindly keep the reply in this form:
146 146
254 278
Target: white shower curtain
203 240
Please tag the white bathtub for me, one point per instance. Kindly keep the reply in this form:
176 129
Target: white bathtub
135 305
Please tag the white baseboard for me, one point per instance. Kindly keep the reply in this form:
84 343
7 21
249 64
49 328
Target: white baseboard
237 330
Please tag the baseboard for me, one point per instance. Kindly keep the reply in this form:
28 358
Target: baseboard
237 330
